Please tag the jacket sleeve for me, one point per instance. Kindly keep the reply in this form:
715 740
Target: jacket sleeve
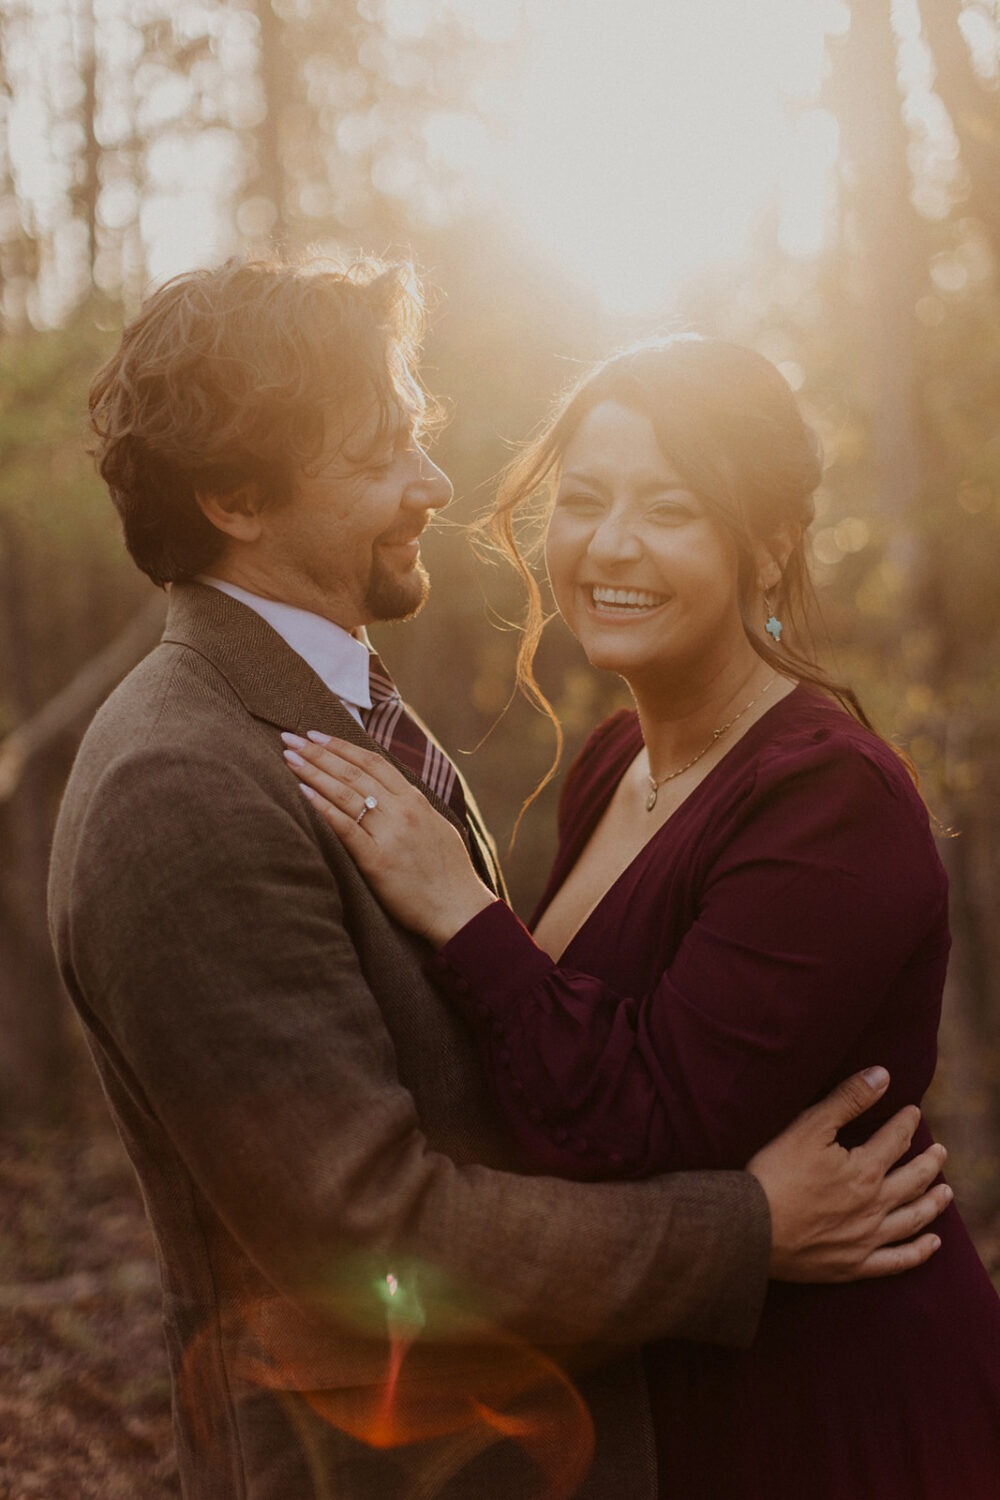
823 893
206 917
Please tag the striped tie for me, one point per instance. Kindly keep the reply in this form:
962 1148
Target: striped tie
389 724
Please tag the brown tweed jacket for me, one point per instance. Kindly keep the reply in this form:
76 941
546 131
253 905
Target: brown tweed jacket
360 1302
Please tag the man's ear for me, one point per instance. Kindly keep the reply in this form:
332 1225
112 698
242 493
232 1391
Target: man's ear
235 512
773 554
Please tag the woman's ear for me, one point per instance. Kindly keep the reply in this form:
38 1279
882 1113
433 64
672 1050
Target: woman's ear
772 555
235 512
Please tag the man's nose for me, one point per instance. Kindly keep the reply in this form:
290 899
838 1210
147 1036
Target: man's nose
432 488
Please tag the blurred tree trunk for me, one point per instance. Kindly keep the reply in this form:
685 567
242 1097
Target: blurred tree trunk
913 464
32 1048
89 185
892 266
276 69
18 253
974 108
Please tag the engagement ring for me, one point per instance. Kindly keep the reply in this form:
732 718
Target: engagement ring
367 806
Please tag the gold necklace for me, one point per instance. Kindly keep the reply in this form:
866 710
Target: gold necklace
654 786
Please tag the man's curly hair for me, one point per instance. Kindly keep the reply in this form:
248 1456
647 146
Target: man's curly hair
229 376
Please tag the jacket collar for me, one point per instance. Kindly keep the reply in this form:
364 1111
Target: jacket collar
277 686
271 680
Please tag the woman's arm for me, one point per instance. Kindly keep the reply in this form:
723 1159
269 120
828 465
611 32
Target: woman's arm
809 914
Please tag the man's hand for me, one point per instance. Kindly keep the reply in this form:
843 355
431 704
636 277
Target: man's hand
837 1215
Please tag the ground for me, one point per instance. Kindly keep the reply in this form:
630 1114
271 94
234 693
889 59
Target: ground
84 1396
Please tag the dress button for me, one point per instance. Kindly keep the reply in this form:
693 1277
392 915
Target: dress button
581 1146
534 1113
616 1159
504 1057
499 1028
560 1136
462 986
484 1010
517 1088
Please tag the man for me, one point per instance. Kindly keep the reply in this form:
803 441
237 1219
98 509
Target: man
361 1301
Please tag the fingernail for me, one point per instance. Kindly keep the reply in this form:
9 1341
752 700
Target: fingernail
306 791
876 1078
292 758
293 739
318 738
947 1194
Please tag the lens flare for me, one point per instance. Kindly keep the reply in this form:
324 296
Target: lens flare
432 1386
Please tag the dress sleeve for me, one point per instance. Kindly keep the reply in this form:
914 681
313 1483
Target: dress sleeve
825 888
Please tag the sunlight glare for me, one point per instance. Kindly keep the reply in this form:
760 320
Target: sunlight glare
179 217
806 182
647 139
409 19
492 20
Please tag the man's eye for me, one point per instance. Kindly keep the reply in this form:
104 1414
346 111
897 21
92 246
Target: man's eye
379 463
403 443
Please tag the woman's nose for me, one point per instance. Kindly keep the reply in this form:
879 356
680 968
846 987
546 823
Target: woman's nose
614 540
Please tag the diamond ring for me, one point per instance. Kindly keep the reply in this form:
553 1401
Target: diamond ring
366 807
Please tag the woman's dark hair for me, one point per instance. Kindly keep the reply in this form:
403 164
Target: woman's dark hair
729 424
228 376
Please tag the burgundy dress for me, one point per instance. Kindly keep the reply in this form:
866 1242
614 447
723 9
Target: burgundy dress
786 926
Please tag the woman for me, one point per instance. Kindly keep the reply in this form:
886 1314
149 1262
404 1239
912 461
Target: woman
746 905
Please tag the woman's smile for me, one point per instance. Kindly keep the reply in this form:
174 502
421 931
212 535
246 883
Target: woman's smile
623 603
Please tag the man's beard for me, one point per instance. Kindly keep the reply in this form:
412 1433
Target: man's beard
389 597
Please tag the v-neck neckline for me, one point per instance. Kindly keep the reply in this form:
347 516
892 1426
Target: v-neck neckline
746 741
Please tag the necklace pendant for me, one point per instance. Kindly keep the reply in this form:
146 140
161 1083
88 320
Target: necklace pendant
654 786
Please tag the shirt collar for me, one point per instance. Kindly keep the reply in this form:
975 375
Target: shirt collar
338 658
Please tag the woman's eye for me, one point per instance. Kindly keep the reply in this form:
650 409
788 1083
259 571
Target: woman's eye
672 512
579 503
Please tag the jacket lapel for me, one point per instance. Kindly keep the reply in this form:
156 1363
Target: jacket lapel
277 686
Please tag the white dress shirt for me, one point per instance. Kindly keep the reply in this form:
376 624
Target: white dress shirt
337 657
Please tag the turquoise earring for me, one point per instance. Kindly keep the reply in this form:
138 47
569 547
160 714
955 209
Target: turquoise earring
772 624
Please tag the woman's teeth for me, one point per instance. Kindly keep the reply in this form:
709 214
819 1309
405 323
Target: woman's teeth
626 598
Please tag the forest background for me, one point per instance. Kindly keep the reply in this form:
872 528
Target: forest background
567 175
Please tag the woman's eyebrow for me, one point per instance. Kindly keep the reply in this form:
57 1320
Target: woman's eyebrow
654 485
579 475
